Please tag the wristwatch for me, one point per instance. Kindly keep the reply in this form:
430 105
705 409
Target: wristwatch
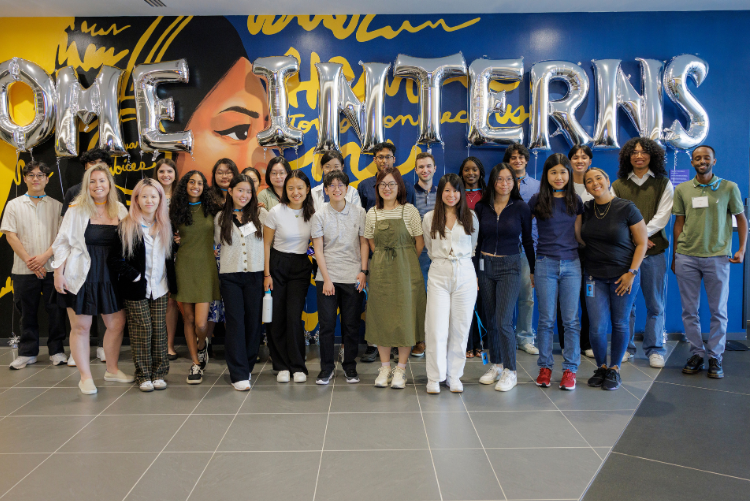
366 272
634 272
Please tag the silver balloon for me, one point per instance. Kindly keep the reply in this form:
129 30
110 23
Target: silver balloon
150 110
483 101
613 90
675 81
25 137
430 73
74 103
561 111
335 96
276 70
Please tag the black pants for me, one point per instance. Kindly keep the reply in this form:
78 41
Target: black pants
349 301
585 342
243 301
291 279
28 291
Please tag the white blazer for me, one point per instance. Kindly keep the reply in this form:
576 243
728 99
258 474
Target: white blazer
70 246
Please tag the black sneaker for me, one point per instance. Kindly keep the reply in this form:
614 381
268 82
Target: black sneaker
598 378
714 369
203 356
612 380
195 376
351 376
694 365
324 377
370 354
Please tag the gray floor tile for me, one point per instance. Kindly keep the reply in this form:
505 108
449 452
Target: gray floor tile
602 451
566 475
275 432
586 398
288 398
445 401
638 389
170 478
199 433
450 430
526 429
375 431
75 477
375 475
524 397
51 376
466 475
125 434
10 378
17 467
13 398
600 428
736 366
70 401
221 399
173 400
273 475
366 398
38 433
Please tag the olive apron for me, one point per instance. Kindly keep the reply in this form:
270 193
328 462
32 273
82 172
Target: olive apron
397 302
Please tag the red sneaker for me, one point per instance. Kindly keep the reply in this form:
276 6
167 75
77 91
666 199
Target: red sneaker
543 379
568 381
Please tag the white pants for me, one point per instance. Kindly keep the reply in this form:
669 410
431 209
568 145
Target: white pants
451 295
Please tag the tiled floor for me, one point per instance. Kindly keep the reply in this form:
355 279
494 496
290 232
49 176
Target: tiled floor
304 441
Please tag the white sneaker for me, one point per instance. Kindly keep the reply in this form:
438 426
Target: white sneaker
399 378
589 353
300 377
58 359
118 377
492 374
160 384
87 386
241 385
282 377
100 355
508 380
655 360
530 349
433 387
71 362
384 376
456 385
146 386
21 362
626 357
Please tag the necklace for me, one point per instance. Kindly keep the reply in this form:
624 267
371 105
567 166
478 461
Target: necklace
473 189
237 210
36 196
194 203
102 203
596 210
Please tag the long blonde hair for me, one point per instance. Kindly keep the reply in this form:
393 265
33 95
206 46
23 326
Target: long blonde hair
131 231
84 201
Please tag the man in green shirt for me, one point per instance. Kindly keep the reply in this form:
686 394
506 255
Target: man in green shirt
704 207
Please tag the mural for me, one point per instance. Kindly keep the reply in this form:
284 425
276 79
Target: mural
225 104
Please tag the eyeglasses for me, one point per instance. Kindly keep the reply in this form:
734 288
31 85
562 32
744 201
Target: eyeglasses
337 186
639 154
383 158
278 174
36 176
389 186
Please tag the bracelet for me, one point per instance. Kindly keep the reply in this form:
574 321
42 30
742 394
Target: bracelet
266 276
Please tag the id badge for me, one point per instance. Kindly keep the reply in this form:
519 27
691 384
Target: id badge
590 287
481 264
485 358
700 202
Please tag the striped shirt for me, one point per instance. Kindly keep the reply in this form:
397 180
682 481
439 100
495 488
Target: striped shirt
412 219
35 225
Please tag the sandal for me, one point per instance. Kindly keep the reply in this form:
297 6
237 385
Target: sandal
469 354
478 353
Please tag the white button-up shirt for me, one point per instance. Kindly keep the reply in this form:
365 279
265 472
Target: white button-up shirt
156 271
456 245
663 210
36 226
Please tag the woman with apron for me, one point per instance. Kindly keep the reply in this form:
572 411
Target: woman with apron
396 307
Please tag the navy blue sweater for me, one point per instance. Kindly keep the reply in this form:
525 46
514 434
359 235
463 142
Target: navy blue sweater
499 235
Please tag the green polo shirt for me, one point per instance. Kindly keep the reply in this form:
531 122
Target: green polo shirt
707 231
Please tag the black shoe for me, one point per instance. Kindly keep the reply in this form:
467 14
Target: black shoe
324 377
597 379
714 369
196 375
612 380
203 356
694 365
172 356
351 376
370 354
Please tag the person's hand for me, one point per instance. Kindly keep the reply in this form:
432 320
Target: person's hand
650 244
739 256
261 205
267 283
625 284
40 273
216 253
177 237
533 285
35 262
60 284
477 283
328 288
362 279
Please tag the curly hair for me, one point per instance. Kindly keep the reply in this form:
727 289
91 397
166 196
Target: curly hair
95 154
656 163
179 207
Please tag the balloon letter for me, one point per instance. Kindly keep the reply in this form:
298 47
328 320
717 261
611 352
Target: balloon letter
483 101
675 81
276 70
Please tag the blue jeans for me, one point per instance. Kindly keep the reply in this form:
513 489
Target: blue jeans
558 279
654 287
607 306
424 264
498 287
524 319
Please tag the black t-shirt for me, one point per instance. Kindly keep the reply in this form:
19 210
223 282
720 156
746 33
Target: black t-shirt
609 244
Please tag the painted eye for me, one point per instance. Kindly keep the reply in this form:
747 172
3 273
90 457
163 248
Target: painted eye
238 132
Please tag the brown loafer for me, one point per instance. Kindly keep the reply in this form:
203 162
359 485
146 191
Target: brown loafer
418 350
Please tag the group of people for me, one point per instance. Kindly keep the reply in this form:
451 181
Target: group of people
444 268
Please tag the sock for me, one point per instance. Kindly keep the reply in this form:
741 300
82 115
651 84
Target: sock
403 366
386 364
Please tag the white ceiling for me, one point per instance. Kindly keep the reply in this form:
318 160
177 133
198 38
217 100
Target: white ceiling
94 8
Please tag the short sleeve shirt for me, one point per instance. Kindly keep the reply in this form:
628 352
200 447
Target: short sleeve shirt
341 248
35 225
412 219
609 245
708 229
292 232
557 234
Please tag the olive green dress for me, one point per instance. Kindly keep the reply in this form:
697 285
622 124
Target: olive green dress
195 265
397 302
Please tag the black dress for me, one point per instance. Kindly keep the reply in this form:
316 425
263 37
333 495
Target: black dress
98 294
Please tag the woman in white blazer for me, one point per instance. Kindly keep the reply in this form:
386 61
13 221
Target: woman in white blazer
83 281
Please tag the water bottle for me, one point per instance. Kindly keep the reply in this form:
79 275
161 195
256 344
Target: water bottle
267 308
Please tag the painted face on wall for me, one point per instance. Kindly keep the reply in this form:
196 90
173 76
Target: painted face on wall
226 122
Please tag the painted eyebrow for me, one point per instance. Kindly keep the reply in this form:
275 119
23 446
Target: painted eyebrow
244 111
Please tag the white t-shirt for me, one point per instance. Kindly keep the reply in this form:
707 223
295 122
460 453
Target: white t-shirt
292 232
581 192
